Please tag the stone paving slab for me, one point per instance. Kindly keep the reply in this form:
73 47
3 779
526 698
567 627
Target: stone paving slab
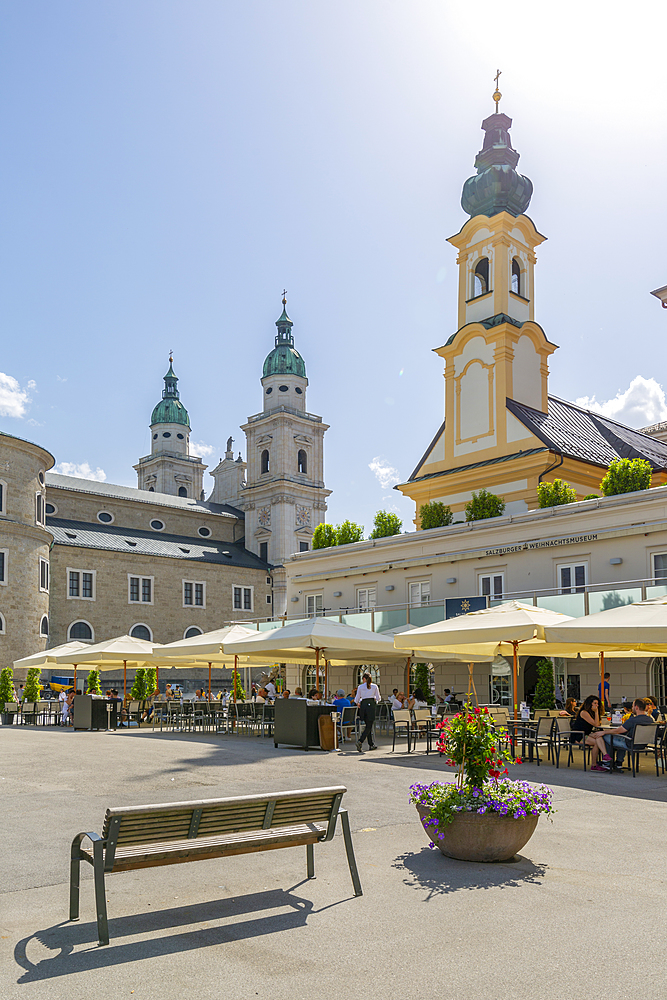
579 913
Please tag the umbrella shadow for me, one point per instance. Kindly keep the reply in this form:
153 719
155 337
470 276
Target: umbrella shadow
439 875
232 919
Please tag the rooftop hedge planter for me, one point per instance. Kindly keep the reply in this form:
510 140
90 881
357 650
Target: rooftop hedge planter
483 815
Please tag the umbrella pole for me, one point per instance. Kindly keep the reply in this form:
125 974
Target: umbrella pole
317 667
602 707
235 675
124 679
326 679
408 684
75 678
515 673
209 682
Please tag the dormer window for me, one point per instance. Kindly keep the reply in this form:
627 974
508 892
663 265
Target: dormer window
480 285
516 277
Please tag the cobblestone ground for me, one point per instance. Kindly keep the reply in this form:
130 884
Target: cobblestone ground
581 912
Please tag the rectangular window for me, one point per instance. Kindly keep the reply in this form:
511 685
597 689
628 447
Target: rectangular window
572 578
264 551
268 598
303 547
420 593
314 604
39 508
81 584
140 589
366 598
194 594
242 598
4 557
43 575
660 566
3 488
492 586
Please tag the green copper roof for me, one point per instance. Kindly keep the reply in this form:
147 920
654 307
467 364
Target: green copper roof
170 410
284 359
497 186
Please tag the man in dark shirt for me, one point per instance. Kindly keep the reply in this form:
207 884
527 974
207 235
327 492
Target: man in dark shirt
621 737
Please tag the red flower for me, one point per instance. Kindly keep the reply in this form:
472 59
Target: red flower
519 761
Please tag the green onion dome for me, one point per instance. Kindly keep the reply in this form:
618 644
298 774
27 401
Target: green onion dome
284 359
497 186
170 410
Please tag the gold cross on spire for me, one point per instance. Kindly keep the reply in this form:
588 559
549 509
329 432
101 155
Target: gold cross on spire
284 296
171 356
497 95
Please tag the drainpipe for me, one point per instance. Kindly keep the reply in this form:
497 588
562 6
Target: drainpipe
550 468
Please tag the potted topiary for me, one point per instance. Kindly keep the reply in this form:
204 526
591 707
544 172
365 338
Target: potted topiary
483 816
6 694
93 686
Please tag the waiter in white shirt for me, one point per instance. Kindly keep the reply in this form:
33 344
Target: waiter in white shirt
366 698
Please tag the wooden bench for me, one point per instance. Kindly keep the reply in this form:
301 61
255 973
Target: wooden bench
176 832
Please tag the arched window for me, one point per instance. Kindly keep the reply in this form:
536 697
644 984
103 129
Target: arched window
265 460
182 492
2 625
481 277
516 277
191 632
44 625
302 461
310 679
141 631
372 670
659 679
80 630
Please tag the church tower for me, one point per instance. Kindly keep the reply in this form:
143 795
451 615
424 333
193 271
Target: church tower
284 498
170 468
496 362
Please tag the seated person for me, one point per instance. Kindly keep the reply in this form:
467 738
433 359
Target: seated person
286 693
340 701
418 700
298 693
168 694
586 720
448 696
570 708
397 698
621 737
652 707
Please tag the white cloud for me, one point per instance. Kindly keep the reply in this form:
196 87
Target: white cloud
82 471
642 403
13 399
202 450
385 474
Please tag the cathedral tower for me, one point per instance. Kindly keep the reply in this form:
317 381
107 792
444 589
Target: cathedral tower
170 468
284 497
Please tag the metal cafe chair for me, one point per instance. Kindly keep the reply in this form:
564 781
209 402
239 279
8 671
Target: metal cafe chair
402 726
644 741
347 720
560 737
539 735
422 723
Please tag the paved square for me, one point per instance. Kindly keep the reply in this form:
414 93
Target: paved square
253 926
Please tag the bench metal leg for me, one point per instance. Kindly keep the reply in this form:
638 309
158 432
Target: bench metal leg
100 897
74 882
310 858
349 849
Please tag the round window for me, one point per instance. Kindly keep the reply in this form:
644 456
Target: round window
155 437
105 517
167 434
298 390
283 388
204 532
180 437
269 391
40 476
157 525
51 509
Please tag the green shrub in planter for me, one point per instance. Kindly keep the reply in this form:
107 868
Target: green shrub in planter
386 524
151 681
32 687
626 476
240 690
6 686
138 690
555 494
544 690
348 532
93 685
483 505
435 515
324 536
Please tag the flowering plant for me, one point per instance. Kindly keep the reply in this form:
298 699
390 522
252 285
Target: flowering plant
471 742
515 799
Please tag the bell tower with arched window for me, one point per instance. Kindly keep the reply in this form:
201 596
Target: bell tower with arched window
284 497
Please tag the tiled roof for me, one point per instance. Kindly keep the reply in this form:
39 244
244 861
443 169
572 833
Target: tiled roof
112 491
136 541
475 465
588 436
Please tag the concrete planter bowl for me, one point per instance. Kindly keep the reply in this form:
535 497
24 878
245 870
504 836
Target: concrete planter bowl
484 837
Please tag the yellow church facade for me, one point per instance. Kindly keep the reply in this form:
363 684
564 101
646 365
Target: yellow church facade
502 430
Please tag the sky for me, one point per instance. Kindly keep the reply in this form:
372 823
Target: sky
167 167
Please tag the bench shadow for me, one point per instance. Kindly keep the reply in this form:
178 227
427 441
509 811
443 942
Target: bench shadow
63 938
439 875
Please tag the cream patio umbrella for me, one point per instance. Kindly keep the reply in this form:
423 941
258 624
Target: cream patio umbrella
314 639
484 632
205 648
113 653
49 655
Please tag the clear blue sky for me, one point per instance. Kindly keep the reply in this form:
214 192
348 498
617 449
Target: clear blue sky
168 166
